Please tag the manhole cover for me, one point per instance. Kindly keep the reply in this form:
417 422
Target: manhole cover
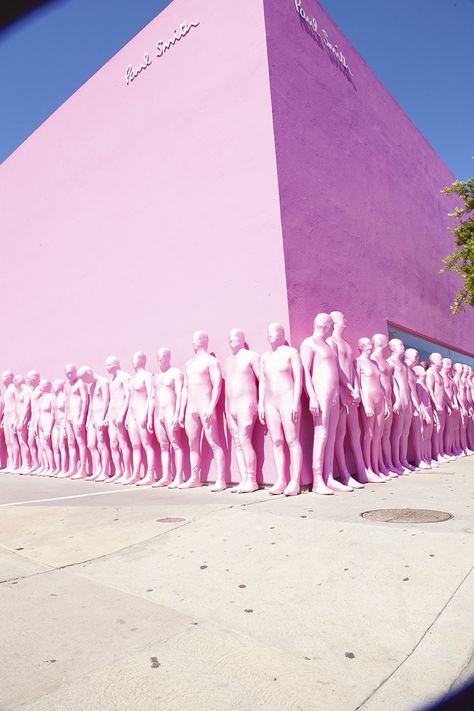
170 519
406 515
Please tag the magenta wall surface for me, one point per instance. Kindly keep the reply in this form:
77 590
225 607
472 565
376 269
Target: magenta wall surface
364 224
138 213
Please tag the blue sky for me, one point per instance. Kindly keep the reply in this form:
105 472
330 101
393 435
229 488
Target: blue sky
420 49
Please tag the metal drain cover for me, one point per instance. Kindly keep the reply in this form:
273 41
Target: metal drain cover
406 515
170 519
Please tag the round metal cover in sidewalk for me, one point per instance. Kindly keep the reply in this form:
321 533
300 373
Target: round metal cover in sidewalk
406 515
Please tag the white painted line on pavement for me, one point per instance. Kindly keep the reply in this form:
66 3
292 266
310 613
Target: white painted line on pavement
63 498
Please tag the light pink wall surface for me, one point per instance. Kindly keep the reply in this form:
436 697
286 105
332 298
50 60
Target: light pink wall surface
139 213
364 223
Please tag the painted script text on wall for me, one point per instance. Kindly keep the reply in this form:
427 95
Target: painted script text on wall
161 47
323 35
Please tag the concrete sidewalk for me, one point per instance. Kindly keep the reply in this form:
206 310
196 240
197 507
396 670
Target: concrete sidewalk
242 603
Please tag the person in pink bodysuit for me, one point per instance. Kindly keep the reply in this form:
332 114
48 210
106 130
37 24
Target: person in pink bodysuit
9 418
348 420
419 413
22 422
467 381
116 419
426 423
59 434
96 423
77 405
379 353
37 463
241 375
46 410
141 393
464 408
166 417
453 411
402 407
435 385
374 407
2 434
323 380
279 407
470 398
202 387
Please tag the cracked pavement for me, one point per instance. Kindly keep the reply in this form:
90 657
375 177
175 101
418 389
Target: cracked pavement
250 602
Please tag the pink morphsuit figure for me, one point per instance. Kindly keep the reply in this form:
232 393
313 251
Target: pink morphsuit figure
202 387
117 418
435 385
379 356
37 464
463 406
96 423
374 407
241 375
167 418
279 407
323 379
467 381
141 394
46 417
77 405
453 411
470 396
59 434
348 421
9 419
402 407
426 423
419 412
2 435
22 422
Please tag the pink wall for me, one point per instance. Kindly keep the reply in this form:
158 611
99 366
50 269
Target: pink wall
139 213
364 224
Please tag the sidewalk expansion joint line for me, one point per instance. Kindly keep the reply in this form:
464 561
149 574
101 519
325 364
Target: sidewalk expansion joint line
389 676
72 496
53 569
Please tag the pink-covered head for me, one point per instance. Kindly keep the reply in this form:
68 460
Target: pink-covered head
19 380
44 385
276 334
324 324
436 361
365 345
420 373
164 359
112 364
397 347
33 378
7 377
86 374
138 360
71 372
411 357
340 321
380 341
200 341
236 340
58 386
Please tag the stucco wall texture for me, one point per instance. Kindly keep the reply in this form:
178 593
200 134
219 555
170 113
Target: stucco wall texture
364 223
138 213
